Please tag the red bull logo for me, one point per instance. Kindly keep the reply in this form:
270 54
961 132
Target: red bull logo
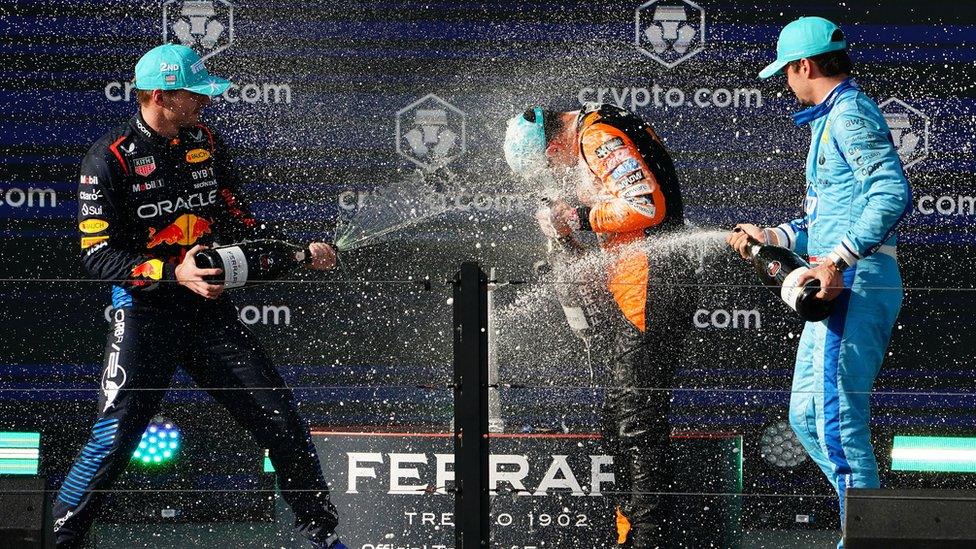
152 269
186 230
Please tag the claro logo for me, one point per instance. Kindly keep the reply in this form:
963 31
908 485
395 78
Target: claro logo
267 315
724 319
946 205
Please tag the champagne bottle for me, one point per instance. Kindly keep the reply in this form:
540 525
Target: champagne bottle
577 295
252 261
779 268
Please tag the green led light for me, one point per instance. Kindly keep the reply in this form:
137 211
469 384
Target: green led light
19 440
934 454
268 467
740 465
158 445
19 453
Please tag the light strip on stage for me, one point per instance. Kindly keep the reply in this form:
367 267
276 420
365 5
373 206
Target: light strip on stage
934 454
19 453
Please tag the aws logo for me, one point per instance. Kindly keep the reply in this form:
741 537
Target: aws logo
197 155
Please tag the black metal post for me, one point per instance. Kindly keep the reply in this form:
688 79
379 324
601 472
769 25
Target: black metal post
471 407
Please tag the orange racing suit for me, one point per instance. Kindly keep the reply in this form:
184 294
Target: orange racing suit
638 192
633 195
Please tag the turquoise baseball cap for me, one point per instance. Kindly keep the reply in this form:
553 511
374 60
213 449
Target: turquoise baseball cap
177 67
805 37
525 143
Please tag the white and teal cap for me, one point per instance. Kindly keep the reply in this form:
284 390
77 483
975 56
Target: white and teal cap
525 143
177 67
805 37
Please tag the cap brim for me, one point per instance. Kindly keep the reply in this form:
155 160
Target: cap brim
212 87
772 69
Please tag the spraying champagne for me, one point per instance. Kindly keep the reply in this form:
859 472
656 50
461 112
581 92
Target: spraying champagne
252 261
779 268
577 297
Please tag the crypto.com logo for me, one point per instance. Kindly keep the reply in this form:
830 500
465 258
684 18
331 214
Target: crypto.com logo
430 132
204 25
669 31
909 130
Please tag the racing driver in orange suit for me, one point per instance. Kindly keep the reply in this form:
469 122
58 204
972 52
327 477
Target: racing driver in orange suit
629 194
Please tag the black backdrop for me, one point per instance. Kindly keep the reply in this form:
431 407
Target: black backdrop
327 93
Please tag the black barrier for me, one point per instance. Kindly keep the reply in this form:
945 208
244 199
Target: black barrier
471 406
901 519
384 440
25 513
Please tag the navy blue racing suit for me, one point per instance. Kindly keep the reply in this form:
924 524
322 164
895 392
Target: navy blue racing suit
144 200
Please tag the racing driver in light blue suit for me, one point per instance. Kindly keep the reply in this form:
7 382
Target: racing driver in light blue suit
856 196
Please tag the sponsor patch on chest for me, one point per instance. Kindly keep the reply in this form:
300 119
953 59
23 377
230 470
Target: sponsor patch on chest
144 166
196 156
608 147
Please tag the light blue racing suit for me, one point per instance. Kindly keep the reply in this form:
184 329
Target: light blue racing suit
856 195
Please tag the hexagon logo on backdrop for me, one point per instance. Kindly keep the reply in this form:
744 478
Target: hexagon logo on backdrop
204 25
430 132
909 130
669 31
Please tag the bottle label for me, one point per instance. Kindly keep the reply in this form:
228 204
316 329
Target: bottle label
576 318
235 266
790 291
